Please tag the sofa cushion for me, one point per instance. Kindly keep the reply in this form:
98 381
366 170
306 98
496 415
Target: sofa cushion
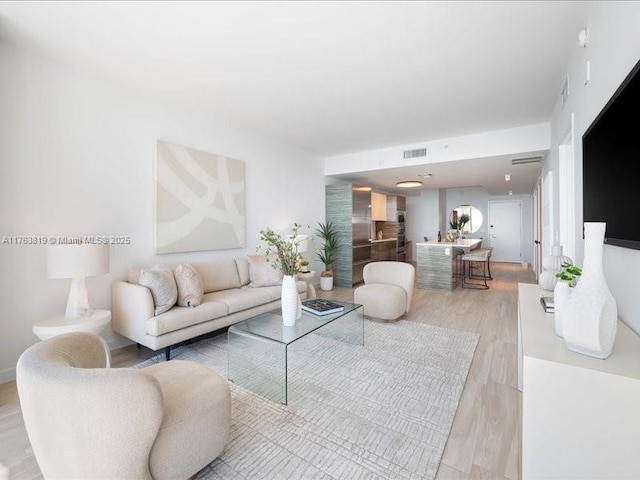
181 317
189 285
275 291
218 275
262 273
243 270
163 287
238 299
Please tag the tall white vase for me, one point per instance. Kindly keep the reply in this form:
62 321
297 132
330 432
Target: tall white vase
290 301
590 316
561 294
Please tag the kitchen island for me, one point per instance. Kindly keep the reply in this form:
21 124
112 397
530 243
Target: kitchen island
436 262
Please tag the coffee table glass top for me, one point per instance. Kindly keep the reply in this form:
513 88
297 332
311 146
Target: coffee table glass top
269 325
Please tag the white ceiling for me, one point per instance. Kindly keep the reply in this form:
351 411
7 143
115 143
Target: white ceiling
328 77
486 172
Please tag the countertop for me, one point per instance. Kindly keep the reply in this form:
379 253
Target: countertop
384 240
469 243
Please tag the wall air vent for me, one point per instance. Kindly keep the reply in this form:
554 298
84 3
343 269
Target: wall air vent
419 152
524 161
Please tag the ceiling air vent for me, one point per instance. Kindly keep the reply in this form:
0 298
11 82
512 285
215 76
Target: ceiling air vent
524 161
419 152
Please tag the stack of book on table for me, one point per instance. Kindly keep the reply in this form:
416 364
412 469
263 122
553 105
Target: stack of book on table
319 306
547 303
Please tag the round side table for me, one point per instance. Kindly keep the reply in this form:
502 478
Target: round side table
58 324
307 277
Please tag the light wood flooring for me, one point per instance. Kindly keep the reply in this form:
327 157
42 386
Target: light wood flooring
485 439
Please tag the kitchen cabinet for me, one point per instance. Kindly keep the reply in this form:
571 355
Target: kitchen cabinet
383 250
395 203
379 207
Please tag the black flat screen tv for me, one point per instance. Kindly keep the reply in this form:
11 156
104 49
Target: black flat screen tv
610 165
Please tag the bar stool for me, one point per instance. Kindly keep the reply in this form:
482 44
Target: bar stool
456 254
477 257
488 273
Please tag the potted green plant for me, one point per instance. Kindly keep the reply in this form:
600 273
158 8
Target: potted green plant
304 266
462 221
282 253
327 252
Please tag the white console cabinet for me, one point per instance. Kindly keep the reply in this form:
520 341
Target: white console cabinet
580 415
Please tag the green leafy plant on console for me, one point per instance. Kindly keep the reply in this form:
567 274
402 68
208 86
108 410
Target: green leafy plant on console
569 273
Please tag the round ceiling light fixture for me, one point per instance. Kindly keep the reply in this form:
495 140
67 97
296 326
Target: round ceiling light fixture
409 184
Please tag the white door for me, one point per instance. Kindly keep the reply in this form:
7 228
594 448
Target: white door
505 230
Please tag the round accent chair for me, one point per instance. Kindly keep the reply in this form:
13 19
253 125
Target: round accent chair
387 290
86 420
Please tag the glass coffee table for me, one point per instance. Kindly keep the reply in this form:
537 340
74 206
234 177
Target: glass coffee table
257 347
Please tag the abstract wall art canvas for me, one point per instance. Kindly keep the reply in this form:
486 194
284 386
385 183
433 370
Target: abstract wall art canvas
200 201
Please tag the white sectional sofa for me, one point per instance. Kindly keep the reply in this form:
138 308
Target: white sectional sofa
229 297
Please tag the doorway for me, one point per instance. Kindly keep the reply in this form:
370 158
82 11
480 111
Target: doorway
505 230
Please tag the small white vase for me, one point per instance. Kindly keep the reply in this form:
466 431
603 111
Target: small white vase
561 294
290 301
590 317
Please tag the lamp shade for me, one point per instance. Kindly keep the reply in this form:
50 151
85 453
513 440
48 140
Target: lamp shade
69 261
303 243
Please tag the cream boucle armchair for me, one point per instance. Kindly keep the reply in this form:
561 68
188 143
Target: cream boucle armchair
87 421
387 290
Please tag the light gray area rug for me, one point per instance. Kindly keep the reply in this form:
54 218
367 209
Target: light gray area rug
382 411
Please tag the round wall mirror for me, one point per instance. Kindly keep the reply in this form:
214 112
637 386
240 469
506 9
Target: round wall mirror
466 218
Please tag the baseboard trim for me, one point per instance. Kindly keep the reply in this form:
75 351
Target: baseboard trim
7 375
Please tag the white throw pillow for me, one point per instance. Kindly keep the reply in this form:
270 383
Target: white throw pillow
163 287
189 283
262 273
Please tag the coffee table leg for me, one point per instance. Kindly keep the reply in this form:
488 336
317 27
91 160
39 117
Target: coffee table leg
258 364
348 328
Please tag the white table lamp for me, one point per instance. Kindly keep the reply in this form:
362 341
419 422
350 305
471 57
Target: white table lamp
302 241
77 262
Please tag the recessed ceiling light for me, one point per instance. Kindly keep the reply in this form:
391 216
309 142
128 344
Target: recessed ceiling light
507 177
510 192
425 175
409 184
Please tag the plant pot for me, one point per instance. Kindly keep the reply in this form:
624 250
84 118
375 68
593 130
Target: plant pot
326 283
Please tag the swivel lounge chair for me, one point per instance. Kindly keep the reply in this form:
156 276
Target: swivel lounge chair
387 290
88 421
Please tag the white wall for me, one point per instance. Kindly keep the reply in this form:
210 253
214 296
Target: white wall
613 49
431 210
77 158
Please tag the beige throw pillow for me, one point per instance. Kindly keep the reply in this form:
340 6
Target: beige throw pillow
262 273
189 283
163 287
